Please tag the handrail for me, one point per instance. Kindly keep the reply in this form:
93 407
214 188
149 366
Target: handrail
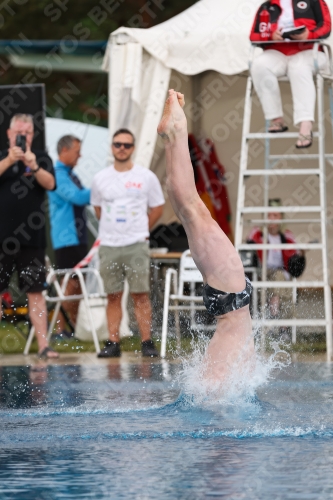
272 42
329 50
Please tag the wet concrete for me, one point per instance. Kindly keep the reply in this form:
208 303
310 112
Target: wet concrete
90 358
84 358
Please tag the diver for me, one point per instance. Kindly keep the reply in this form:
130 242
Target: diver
232 346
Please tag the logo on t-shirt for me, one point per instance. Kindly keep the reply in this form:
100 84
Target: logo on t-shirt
302 5
133 185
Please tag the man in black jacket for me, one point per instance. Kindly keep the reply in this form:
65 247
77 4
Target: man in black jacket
24 178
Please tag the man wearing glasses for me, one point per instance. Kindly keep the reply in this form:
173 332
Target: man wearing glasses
128 201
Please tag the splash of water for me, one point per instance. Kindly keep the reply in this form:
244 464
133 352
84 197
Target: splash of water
242 382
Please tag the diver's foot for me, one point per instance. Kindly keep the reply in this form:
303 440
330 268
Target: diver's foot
173 120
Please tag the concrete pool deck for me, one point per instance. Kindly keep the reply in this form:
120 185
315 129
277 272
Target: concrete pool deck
90 358
83 358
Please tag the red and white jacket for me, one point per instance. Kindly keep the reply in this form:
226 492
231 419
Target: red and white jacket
314 14
292 261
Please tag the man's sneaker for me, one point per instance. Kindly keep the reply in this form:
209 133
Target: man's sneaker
111 350
148 349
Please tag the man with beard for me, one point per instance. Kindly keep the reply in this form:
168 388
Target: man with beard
128 201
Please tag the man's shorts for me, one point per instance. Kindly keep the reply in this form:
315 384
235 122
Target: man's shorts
30 265
68 257
131 262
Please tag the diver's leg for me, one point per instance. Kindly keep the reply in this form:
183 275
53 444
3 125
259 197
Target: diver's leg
231 348
211 249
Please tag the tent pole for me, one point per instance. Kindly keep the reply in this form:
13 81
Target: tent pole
197 121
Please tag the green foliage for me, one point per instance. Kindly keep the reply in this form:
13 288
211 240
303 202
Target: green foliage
72 21
86 20
12 342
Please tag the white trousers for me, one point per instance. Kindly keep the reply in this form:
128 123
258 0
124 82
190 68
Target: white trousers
299 68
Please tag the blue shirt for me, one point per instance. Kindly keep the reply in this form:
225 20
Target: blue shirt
67 202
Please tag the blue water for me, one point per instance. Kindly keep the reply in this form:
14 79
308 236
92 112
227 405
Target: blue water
127 431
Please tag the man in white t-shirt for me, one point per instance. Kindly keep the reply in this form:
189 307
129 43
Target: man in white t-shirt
128 201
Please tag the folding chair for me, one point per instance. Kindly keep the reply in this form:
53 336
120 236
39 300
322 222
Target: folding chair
52 278
188 273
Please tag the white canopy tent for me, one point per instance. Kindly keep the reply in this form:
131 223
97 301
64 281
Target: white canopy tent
210 35
203 52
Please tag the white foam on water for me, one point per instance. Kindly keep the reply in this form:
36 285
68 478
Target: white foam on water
236 433
242 381
82 410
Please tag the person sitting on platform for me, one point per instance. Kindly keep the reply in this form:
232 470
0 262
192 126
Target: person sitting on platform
294 60
281 264
231 349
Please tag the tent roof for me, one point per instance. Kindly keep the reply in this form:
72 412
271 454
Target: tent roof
210 35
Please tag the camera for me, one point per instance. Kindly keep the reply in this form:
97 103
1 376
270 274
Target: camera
21 142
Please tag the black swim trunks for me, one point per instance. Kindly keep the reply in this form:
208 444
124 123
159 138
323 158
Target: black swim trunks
218 303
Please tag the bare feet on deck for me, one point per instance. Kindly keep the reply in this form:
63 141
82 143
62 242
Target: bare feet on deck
173 120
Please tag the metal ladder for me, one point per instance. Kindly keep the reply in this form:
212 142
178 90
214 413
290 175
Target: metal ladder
269 169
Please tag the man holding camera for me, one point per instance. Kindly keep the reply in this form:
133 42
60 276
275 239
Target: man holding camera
24 177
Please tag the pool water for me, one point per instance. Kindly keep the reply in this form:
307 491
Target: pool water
126 430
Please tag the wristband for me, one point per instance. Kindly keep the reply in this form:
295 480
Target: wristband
34 171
